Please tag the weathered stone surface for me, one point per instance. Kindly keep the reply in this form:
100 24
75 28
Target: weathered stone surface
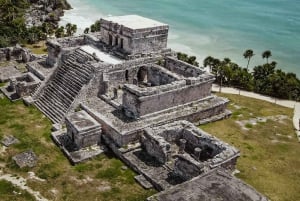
26 159
134 34
212 186
143 181
83 129
21 85
9 140
8 72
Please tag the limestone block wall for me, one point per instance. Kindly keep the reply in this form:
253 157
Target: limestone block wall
182 68
150 43
156 146
124 73
15 53
214 151
162 97
157 75
132 41
186 167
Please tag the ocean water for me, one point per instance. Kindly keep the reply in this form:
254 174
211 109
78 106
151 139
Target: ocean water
219 28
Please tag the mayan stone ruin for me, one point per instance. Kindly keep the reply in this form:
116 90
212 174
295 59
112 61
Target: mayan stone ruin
123 89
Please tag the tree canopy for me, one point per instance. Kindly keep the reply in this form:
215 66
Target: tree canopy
265 79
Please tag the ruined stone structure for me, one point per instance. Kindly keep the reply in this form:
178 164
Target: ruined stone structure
135 97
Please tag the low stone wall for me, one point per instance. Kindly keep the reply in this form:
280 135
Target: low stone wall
182 68
155 146
16 53
186 167
149 100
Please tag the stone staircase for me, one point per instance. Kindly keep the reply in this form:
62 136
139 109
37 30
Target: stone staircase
58 95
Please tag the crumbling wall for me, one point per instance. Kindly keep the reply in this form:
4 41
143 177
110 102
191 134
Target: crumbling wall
131 41
157 76
15 53
146 101
182 68
186 167
156 146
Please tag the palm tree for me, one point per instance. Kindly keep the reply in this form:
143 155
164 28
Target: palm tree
248 54
273 63
60 32
86 31
73 29
266 54
208 61
68 29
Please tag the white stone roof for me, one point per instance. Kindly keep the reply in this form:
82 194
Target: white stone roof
103 56
135 21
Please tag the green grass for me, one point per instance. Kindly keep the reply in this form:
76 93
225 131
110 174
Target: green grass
9 192
270 151
38 48
81 182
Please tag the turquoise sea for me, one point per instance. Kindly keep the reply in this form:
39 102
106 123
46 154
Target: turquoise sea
220 28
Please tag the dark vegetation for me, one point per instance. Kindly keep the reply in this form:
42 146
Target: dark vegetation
264 79
189 59
93 28
13 29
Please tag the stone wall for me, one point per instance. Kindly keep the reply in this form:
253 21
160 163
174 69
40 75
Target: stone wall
156 146
182 68
186 167
55 47
212 150
15 53
146 101
131 41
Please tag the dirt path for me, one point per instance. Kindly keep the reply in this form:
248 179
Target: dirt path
285 103
21 183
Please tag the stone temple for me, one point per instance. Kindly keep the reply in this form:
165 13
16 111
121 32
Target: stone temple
123 89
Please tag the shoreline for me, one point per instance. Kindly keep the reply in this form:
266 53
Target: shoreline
215 41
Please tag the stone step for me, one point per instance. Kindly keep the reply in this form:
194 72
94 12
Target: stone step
54 102
78 68
90 132
50 93
41 107
62 90
52 106
74 80
73 88
57 97
59 94
74 75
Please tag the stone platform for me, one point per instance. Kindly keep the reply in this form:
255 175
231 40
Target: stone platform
70 149
212 186
124 130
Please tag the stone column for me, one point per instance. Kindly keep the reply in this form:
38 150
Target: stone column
12 84
115 93
197 153
168 150
182 143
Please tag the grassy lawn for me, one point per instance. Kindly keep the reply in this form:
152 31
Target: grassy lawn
103 178
9 192
38 48
270 151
